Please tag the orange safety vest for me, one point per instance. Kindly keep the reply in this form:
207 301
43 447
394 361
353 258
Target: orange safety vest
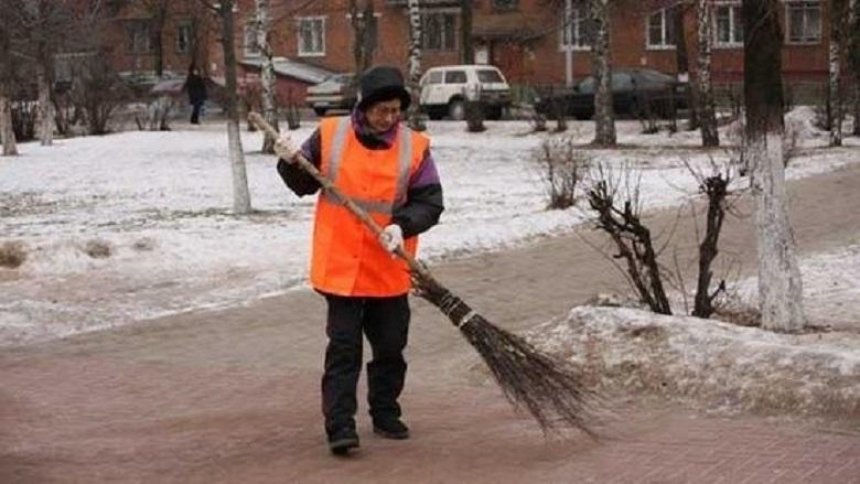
348 259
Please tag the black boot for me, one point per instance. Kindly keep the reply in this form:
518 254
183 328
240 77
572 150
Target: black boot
340 441
391 428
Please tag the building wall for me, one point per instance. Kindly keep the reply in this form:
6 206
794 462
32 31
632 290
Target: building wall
524 41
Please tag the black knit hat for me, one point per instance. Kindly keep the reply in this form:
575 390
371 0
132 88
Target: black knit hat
382 83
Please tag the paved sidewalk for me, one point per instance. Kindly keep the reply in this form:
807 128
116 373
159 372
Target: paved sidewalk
232 396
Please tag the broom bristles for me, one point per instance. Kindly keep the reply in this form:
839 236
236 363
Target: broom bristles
552 392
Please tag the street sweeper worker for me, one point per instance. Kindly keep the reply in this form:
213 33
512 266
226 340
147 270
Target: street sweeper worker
387 169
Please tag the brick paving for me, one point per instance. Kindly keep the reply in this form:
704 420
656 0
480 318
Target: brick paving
232 396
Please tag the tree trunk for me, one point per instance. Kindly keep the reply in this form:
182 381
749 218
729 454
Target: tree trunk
604 116
853 40
241 194
838 15
416 121
468 51
268 80
705 91
364 34
46 108
6 133
780 286
682 63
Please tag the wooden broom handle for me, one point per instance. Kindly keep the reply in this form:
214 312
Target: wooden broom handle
333 191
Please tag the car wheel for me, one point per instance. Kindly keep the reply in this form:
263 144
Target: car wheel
456 110
320 111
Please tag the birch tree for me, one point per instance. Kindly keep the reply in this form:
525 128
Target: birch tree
604 116
704 84
838 15
241 195
47 24
262 28
416 121
780 287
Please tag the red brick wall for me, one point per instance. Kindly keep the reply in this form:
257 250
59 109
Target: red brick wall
538 60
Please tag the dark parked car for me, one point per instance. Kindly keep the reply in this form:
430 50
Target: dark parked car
637 92
335 92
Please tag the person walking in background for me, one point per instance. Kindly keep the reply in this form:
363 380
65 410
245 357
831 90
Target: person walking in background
387 169
196 87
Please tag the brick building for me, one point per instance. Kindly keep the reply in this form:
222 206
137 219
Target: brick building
528 39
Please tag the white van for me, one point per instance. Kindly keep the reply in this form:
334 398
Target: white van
444 89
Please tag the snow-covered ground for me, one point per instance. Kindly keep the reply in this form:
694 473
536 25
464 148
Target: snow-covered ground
161 202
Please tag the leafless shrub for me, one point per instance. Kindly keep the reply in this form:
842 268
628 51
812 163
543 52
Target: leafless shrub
561 166
12 254
620 217
98 91
98 248
716 188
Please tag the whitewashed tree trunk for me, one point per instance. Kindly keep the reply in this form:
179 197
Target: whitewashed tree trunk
241 194
416 121
780 286
267 72
46 109
834 94
7 134
707 110
604 116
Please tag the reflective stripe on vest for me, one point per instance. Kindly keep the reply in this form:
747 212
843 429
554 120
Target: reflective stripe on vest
404 162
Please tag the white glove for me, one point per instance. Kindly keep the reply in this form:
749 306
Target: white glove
285 149
391 238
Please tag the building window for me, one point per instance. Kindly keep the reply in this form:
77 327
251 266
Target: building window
804 22
438 31
578 32
184 37
252 48
312 36
661 29
505 4
728 26
138 37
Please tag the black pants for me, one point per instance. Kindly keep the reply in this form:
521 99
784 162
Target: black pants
385 322
195 112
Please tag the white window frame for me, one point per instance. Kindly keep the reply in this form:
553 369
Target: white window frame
134 43
574 29
180 26
249 40
735 26
809 3
454 39
664 27
320 52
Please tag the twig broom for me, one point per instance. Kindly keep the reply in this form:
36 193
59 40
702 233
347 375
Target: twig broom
554 395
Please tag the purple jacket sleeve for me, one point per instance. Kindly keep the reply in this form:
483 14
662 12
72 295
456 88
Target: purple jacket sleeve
424 202
299 181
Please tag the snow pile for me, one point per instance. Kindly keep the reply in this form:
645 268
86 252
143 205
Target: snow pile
718 364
